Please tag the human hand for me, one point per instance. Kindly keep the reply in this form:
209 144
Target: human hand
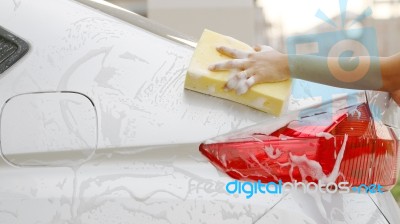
396 96
263 65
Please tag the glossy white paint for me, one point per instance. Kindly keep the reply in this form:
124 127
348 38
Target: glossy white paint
48 123
146 167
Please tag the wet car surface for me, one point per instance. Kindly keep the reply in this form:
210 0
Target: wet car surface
118 140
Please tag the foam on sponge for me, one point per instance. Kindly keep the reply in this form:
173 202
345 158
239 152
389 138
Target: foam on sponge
268 97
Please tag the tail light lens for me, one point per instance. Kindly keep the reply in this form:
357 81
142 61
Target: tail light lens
351 147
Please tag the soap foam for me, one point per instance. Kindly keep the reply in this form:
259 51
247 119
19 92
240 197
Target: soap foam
283 137
250 81
270 152
232 83
239 82
326 135
259 102
313 169
335 172
307 167
242 87
355 111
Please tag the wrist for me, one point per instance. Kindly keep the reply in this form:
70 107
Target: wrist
390 76
285 66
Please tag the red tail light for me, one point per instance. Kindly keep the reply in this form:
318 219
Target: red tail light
351 147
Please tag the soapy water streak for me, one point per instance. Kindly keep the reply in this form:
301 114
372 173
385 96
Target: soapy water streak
311 168
17 3
307 167
270 152
326 135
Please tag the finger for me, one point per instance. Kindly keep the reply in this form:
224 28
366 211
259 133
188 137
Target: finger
244 81
232 81
242 87
255 79
259 48
239 64
249 72
240 81
233 53
251 81
236 77
244 74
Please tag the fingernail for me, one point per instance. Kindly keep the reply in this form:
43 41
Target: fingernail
211 67
241 90
250 81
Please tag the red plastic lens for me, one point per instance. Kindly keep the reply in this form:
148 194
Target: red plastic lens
305 150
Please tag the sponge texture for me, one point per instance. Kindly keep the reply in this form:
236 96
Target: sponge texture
268 97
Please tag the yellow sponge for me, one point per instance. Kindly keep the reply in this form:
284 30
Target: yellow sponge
267 97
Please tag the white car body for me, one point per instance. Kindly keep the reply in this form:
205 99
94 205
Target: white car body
126 151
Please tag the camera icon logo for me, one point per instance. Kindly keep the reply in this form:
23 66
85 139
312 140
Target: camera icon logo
346 57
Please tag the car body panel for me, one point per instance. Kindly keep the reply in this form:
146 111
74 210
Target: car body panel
146 167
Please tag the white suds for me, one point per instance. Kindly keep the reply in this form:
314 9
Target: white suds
239 82
335 172
232 83
313 169
329 179
283 137
270 152
242 87
355 111
258 103
307 167
250 81
326 135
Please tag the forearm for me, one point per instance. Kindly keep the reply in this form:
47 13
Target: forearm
390 70
354 73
